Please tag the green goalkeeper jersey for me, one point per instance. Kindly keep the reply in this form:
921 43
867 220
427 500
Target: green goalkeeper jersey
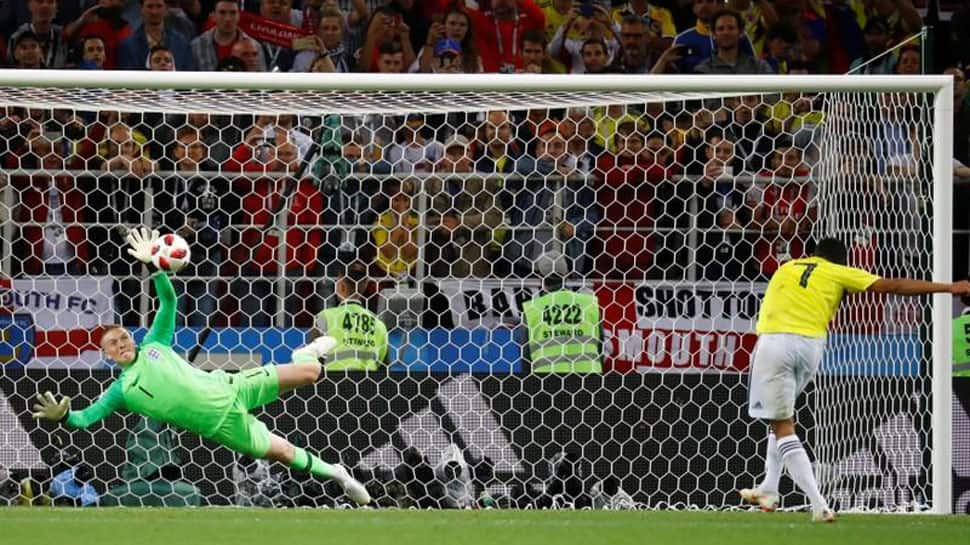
160 384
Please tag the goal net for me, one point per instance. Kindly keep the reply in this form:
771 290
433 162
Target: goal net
672 200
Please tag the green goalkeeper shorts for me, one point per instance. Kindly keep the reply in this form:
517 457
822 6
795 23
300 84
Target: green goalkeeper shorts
241 431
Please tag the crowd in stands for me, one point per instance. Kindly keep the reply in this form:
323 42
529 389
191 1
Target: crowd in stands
717 189
508 36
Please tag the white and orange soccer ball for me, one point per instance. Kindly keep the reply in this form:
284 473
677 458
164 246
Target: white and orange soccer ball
171 253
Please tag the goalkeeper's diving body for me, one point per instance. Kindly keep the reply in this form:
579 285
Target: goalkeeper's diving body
801 299
156 382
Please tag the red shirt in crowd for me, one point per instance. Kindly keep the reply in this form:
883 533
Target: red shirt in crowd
257 248
781 202
499 42
112 36
626 197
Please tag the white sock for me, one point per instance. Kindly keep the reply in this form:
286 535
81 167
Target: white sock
800 468
772 466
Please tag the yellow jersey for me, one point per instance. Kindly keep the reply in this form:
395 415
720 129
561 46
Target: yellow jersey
660 20
804 294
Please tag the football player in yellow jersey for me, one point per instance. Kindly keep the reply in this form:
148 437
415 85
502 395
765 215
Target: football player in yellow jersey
801 299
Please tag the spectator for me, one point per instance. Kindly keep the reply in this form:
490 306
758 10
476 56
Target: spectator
50 36
635 52
727 58
251 54
961 154
465 214
133 54
27 52
258 148
104 20
498 150
216 44
812 38
909 62
696 44
581 132
778 48
216 132
658 23
596 27
390 58
183 15
387 34
231 64
455 34
782 215
960 35
93 54
610 119
539 224
844 41
411 151
395 232
796 116
199 209
281 11
498 32
595 56
277 57
745 126
51 242
328 42
900 15
723 253
534 57
322 64
961 115
258 249
160 59
758 16
626 197
556 12
124 150
417 17
877 40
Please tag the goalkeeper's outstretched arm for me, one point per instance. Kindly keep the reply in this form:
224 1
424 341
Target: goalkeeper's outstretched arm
163 327
48 408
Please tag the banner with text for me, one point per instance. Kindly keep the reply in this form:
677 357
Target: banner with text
54 320
648 326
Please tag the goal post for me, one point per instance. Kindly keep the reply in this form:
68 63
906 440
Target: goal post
678 336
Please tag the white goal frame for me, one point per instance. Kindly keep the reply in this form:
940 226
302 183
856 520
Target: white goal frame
941 88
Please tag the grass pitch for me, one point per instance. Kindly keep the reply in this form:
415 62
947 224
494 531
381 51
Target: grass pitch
232 526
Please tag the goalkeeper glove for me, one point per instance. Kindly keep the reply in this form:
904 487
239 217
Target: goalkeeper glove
142 241
49 408
320 347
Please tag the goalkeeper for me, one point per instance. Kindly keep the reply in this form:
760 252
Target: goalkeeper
158 383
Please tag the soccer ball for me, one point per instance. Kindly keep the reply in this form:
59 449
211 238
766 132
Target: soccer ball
171 253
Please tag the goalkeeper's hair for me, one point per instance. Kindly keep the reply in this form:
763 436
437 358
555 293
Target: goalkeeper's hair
832 249
104 330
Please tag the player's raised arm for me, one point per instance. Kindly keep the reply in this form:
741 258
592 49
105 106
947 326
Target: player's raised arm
163 326
49 408
908 286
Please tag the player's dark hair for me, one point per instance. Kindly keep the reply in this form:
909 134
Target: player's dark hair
832 249
355 278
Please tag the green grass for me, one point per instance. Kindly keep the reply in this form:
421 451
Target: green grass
216 526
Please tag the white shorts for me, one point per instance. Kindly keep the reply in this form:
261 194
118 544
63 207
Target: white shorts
781 367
